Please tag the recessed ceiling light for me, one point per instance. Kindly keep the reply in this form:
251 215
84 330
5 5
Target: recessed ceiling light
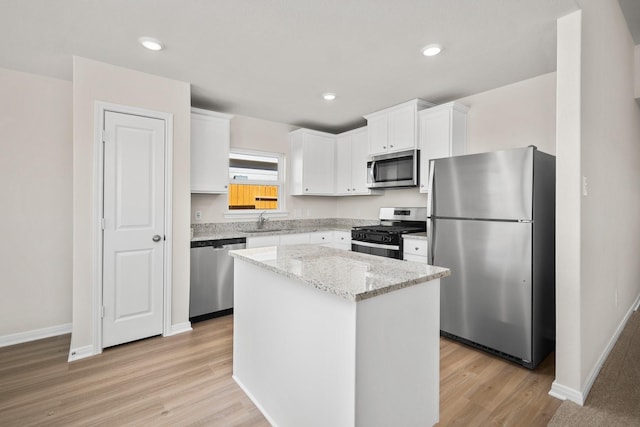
329 96
151 43
431 50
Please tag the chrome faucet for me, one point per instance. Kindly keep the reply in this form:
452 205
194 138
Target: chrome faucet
262 220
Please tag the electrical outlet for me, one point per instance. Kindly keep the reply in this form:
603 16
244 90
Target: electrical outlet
198 215
585 188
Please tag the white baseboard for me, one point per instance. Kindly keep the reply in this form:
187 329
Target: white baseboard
37 334
81 353
179 328
255 402
563 392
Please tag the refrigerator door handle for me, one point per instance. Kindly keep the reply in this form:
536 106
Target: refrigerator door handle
430 254
430 209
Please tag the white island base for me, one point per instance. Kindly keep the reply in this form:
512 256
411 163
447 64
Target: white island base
307 357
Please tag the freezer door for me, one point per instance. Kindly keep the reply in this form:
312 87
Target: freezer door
487 298
496 185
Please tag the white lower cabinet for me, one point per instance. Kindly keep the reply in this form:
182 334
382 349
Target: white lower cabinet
415 250
324 238
262 241
294 239
342 240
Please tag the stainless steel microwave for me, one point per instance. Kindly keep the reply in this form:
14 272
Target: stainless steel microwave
393 170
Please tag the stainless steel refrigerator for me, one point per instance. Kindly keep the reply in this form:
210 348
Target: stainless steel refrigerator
491 220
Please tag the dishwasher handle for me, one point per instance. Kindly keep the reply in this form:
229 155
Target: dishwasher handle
220 243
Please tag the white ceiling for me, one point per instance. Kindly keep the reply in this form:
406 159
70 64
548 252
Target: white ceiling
273 59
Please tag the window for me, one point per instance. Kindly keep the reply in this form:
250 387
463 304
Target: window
255 180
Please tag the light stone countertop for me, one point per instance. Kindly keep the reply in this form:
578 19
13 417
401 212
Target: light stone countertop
351 275
232 234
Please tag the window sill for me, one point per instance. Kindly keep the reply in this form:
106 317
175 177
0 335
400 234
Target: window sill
253 214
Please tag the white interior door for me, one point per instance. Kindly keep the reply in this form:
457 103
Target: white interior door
133 239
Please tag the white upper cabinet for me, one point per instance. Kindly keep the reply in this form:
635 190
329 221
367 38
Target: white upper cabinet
395 128
210 133
443 133
343 164
351 163
312 163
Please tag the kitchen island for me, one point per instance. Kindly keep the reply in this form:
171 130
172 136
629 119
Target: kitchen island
327 337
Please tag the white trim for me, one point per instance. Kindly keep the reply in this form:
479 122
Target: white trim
81 353
98 189
36 334
211 113
563 392
178 328
168 221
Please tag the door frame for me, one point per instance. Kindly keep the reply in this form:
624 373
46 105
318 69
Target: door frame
98 205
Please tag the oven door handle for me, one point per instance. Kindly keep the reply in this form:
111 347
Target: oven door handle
375 245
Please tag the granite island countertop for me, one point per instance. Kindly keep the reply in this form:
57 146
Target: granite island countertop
351 275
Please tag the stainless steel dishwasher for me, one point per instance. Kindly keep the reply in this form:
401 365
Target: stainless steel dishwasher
212 277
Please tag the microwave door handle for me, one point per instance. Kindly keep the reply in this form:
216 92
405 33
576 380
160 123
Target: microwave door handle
372 172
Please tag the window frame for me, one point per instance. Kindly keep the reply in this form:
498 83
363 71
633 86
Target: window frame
255 213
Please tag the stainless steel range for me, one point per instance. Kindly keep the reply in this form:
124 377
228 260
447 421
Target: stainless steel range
385 239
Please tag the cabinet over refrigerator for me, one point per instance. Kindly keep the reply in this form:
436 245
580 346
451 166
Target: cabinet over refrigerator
491 220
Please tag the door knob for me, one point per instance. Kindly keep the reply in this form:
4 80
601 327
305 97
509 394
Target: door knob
157 238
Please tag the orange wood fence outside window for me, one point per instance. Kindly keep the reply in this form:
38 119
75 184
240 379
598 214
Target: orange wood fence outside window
248 196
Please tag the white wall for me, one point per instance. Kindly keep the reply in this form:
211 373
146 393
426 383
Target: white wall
95 81
637 72
568 199
610 226
516 115
598 286
35 189
255 134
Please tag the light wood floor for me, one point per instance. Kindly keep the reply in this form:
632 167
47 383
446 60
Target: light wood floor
185 380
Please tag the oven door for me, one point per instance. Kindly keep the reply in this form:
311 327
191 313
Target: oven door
389 251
